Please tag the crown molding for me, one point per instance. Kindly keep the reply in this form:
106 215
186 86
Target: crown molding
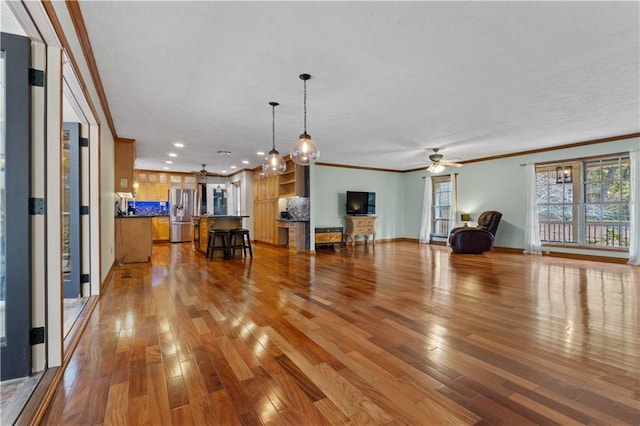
83 37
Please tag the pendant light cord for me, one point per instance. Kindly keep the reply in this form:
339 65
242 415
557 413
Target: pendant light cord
305 106
273 127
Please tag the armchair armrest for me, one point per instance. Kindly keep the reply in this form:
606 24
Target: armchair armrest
454 230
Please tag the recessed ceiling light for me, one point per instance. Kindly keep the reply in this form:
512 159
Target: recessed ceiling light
165 168
173 154
234 167
178 145
169 162
245 161
260 152
224 171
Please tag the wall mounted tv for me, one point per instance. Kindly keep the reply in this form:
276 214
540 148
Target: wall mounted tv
361 203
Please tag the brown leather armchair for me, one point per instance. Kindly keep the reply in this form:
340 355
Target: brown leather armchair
479 239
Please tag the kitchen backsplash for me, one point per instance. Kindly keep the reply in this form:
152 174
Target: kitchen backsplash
150 208
298 208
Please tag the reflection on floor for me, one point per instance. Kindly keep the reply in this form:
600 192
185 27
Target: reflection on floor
72 309
15 393
13 396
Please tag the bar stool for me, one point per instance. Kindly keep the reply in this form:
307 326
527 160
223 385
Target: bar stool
243 243
223 236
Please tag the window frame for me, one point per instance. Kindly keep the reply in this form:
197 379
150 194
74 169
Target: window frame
440 222
578 184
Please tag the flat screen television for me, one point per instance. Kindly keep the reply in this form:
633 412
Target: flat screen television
361 203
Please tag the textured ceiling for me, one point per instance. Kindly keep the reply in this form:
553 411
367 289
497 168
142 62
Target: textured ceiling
389 79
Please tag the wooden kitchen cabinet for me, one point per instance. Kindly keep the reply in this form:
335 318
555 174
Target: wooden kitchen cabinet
265 214
360 226
265 211
161 228
124 155
154 186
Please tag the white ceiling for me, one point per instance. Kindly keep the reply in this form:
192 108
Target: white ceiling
389 79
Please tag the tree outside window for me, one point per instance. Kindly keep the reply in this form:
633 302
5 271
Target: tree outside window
591 208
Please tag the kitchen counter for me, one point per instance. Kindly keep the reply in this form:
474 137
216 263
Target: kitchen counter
210 222
142 215
223 216
134 238
292 234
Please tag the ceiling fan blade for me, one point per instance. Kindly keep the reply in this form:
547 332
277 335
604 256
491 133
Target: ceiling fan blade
450 164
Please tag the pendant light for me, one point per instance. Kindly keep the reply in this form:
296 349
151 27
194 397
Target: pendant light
274 164
305 152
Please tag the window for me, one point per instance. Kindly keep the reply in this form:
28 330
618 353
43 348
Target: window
585 202
607 196
441 205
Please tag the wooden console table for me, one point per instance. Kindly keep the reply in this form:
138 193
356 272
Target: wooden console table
329 236
360 226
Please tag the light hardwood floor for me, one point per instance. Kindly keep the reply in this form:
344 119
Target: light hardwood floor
396 333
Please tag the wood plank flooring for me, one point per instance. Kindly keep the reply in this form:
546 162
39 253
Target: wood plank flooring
397 333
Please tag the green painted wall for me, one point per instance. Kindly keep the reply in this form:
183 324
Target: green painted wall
487 185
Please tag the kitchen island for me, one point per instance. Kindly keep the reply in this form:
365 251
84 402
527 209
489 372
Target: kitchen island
211 222
133 239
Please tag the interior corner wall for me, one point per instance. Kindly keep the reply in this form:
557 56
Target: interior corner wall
329 188
412 201
500 185
487 185
107 186
107 191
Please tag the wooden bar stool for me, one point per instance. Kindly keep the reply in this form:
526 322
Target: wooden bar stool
244 241
214 236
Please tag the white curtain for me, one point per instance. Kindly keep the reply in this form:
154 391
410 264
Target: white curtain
425 225
634 246
453 210
532 243
453 203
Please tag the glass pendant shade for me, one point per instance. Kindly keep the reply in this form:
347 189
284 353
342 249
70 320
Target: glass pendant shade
438 168
305 152
274 164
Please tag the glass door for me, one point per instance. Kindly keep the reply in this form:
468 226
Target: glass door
71 210
15 239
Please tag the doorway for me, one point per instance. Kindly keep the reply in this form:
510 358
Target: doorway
15 242
72 229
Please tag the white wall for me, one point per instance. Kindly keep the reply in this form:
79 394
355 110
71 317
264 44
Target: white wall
487 185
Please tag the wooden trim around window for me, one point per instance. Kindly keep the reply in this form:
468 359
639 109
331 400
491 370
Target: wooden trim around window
83 37
55 22
583 159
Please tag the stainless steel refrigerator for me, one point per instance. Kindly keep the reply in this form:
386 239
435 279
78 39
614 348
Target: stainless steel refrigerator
182 209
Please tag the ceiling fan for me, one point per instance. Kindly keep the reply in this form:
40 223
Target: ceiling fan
439 163
201 176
